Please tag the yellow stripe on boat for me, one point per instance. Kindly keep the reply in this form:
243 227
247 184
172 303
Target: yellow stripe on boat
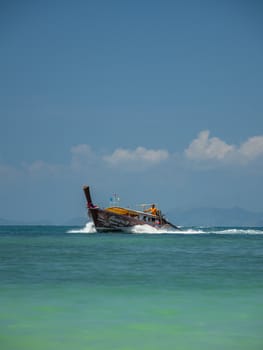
122 211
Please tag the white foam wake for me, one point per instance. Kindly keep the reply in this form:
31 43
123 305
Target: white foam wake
144 229
153 230
247 231
147 229
89 228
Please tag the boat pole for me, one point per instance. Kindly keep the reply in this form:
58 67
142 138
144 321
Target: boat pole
87 195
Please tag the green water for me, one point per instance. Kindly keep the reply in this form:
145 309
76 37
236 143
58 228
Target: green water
62 290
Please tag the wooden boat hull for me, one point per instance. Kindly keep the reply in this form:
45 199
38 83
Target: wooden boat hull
108 220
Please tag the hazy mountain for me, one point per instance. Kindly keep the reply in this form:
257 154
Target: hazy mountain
216 217
7 222
79 221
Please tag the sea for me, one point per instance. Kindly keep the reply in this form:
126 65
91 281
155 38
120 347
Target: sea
73 288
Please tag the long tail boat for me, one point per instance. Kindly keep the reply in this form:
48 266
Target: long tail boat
117 218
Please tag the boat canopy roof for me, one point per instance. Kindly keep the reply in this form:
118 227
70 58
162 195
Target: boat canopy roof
127 211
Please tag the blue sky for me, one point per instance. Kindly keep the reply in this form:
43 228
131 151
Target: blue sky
155 100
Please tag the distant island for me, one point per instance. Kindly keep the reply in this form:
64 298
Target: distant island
184 217
217 217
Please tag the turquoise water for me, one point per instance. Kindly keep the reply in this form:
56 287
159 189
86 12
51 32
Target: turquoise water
65 288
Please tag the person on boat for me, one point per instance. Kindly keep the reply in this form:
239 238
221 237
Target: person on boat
152 210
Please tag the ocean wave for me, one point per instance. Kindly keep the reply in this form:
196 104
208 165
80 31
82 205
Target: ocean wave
247 231
89 228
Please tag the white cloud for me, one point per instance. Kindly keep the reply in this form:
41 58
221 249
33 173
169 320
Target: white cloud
206 148
252 148
139 155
